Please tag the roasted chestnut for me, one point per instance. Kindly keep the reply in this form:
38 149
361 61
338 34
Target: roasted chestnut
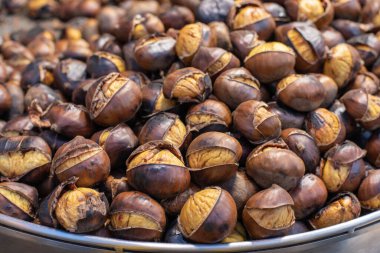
38 71
53 139
244 41
79 94
174 205
213 157
208 216
269 213
332 37
254 120
68 75
221 34
103 63
138 77
366 81
369 191
82 158
289 118
331 89
213 10
16 55
20 125
277 11
347 9
349 123
373 149
274 163
136 216
177 17
368 47
43 95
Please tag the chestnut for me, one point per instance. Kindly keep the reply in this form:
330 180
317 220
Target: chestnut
155 52
118 142
214 61
103 63
349 123
332 37
5 99
164 126
228 82
113 186
16 55
81 210
20 125
269 213
254 120
156 164
320 12
277 11
270 61
38 71
68 75
303 93
177 17
342 208
368 47
53 139
209 115
241 188
136 216
342 64
213 158
304 146
369 191
191 4
347 9
108 18
26 157
370 13
297 228
138 77
42 46
208 216
79 94
326 128
251 15
113 99
18 200
244 41
82 158
190 38
41 8
331 89
373 149
221 34
274 163
350 28
289 118
367 81
363 107
174 235
213 10
43 95
174 205
237 235
309 196
187 85
73 48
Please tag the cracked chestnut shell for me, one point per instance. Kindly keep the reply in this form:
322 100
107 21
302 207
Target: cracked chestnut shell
369 191
363 107
303 93
166 127
236 79
156 164
81 210
43 94
237 235
309 196
68 74
342 64
136 216
304 146
24 157
82 158
213 157
368 47
347 9
349 123
20 125
118 142
343 167
367 81
187 85
243 41
155 52
342 208
373 149
270 61
103 63
274 163
113 99
331 89
18 200
210 115
269 213
288 117
326 128
254 120
38 71
174 205
208 216
114 185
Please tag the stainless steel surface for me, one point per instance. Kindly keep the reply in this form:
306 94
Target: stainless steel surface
359 236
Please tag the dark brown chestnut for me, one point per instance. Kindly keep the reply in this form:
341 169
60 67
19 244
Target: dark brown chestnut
38 71
277 11
369 191
177 17
5 99
368 47
373 149
53 139
367 81
79 94
331 89
113 186
289 118
174 205
221 34
349 123
213 10
16 55
68 75
103 63
244 41
332 37
20 125
350 28
43 94
347 9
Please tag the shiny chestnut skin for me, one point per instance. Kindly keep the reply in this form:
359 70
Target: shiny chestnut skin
138 77
367 81
261 214
79 94
368 192
347 9
221 34
174 205
274 163
349 123
213 10
343 167
213 158
309 196
332 37
108 18
18 200
304 146
216 216
331 89
301 92
38 71
363 107
368 47
136 216
113 99
68 74
342 208
43 94
289 118
277 11
228 82
177 17
350 28
155 52
251 15
373 149
254 120
187 85
53 139
31 154
155 164
5 99
118 142
82 158
209 115
326 128
20 125
244 41
102 63
270 61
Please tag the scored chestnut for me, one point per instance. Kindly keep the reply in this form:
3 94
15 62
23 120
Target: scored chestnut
243 42
102 63
113 186
43 94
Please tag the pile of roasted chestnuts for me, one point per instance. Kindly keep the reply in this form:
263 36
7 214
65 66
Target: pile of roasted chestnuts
190 121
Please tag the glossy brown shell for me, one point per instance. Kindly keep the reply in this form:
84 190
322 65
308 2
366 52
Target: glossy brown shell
369 188
289 118
174 205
